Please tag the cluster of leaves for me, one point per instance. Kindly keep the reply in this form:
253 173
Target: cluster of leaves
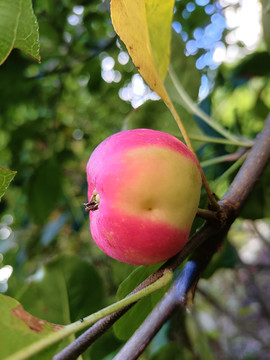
52 116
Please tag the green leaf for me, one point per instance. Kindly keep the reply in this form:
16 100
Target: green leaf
198 339
226 258
106 345
258 203
18 28
128 323
6 176
252 65
18 328
64 290
44 190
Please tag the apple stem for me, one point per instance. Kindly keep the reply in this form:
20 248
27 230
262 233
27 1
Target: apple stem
91 206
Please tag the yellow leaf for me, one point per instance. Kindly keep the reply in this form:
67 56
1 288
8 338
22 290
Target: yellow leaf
145 28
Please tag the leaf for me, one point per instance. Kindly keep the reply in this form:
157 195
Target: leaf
64 290
52 229
18 328
44 190
106 345
128 323
257 205
145 28
18 28
252 65
6 177
21 92
198 339
226 258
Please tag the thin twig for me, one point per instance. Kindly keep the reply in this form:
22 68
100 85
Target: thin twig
207 214
225 158
209 139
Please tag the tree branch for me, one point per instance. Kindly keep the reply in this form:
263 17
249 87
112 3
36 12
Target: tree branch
79 345
231 205
177 295
206 241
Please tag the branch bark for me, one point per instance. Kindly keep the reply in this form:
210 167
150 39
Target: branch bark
206 241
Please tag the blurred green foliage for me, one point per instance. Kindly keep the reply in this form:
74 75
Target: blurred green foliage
52 116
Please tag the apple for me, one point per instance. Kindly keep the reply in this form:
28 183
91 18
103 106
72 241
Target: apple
143 189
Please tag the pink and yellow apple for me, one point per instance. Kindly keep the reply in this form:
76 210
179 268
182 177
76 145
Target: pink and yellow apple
143 189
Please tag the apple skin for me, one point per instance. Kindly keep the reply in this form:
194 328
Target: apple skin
145 186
